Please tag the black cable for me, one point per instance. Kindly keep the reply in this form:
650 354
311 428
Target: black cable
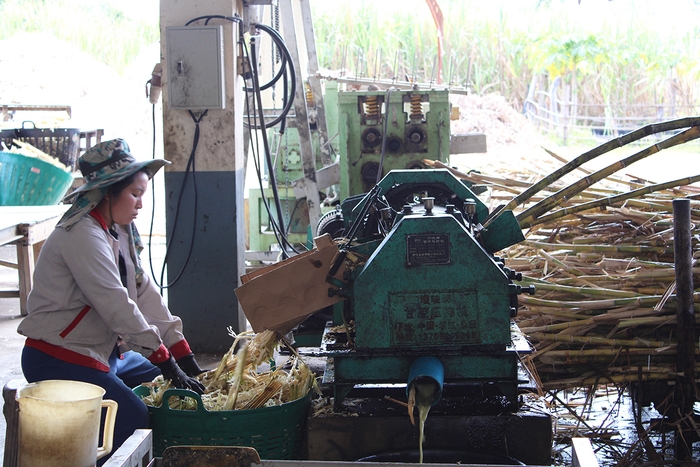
153 196
190 166
266 147
287 66
234 19
258 172
288 97
280 233
278 75
279 236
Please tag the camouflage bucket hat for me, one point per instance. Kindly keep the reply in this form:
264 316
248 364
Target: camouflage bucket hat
109 162
102 165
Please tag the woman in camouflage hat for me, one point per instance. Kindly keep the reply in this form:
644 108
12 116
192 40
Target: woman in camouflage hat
90 293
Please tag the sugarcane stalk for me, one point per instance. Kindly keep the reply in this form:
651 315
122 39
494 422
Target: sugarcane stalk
670 350
657 274
596 248
599 364
476 177
656 320
237 378
555 311
637 182
594 340
556 327
592 154
587 291
624 319
631 263
648 300
609 201
612 379
552 201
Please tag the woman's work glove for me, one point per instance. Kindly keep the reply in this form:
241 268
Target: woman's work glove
178 378
190 366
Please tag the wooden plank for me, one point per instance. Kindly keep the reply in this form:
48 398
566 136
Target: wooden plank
25 263
468 143
137 451
9 235
39 231
8 264
27 227
582 454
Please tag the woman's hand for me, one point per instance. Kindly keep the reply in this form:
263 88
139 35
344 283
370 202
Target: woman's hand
189 365
178 378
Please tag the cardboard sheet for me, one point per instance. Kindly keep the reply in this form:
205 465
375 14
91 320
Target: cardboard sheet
282 295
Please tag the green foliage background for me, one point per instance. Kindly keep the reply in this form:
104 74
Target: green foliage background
97 27
626 50
633 51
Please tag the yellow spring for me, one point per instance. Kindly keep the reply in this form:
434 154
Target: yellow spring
416 106
372 107
309 95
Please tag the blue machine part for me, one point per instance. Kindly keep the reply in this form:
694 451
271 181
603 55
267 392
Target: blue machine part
428 369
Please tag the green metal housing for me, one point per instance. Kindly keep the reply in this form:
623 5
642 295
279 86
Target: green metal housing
417 126
429 287
430 284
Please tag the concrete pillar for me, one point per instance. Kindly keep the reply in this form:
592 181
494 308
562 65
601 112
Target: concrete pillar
203 295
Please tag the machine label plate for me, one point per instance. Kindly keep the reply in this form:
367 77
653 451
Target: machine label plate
424 318
428 248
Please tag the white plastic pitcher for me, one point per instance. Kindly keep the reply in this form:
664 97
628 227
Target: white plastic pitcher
59 424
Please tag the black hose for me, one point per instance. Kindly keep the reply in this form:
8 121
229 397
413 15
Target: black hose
266 147
287 58
190 168
234 19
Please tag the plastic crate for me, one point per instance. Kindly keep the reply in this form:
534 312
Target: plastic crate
275 432
28 181
61 143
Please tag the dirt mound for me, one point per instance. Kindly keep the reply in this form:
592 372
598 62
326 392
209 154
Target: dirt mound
513 147
492 115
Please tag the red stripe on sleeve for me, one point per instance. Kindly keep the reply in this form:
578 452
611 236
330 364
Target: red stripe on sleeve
75 321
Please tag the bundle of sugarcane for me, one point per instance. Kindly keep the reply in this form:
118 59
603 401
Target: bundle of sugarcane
601 260
605 308
236 384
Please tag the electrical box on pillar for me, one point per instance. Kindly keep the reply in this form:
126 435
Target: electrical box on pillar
196 67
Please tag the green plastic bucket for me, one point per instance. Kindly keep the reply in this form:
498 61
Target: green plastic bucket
29 181
276 432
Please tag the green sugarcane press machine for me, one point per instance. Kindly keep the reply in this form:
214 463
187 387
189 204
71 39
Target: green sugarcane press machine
426 284
424 294
427 304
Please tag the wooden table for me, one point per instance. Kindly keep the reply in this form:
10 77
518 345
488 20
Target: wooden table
26 227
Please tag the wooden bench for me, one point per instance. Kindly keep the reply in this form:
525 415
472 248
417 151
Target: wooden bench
27 227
